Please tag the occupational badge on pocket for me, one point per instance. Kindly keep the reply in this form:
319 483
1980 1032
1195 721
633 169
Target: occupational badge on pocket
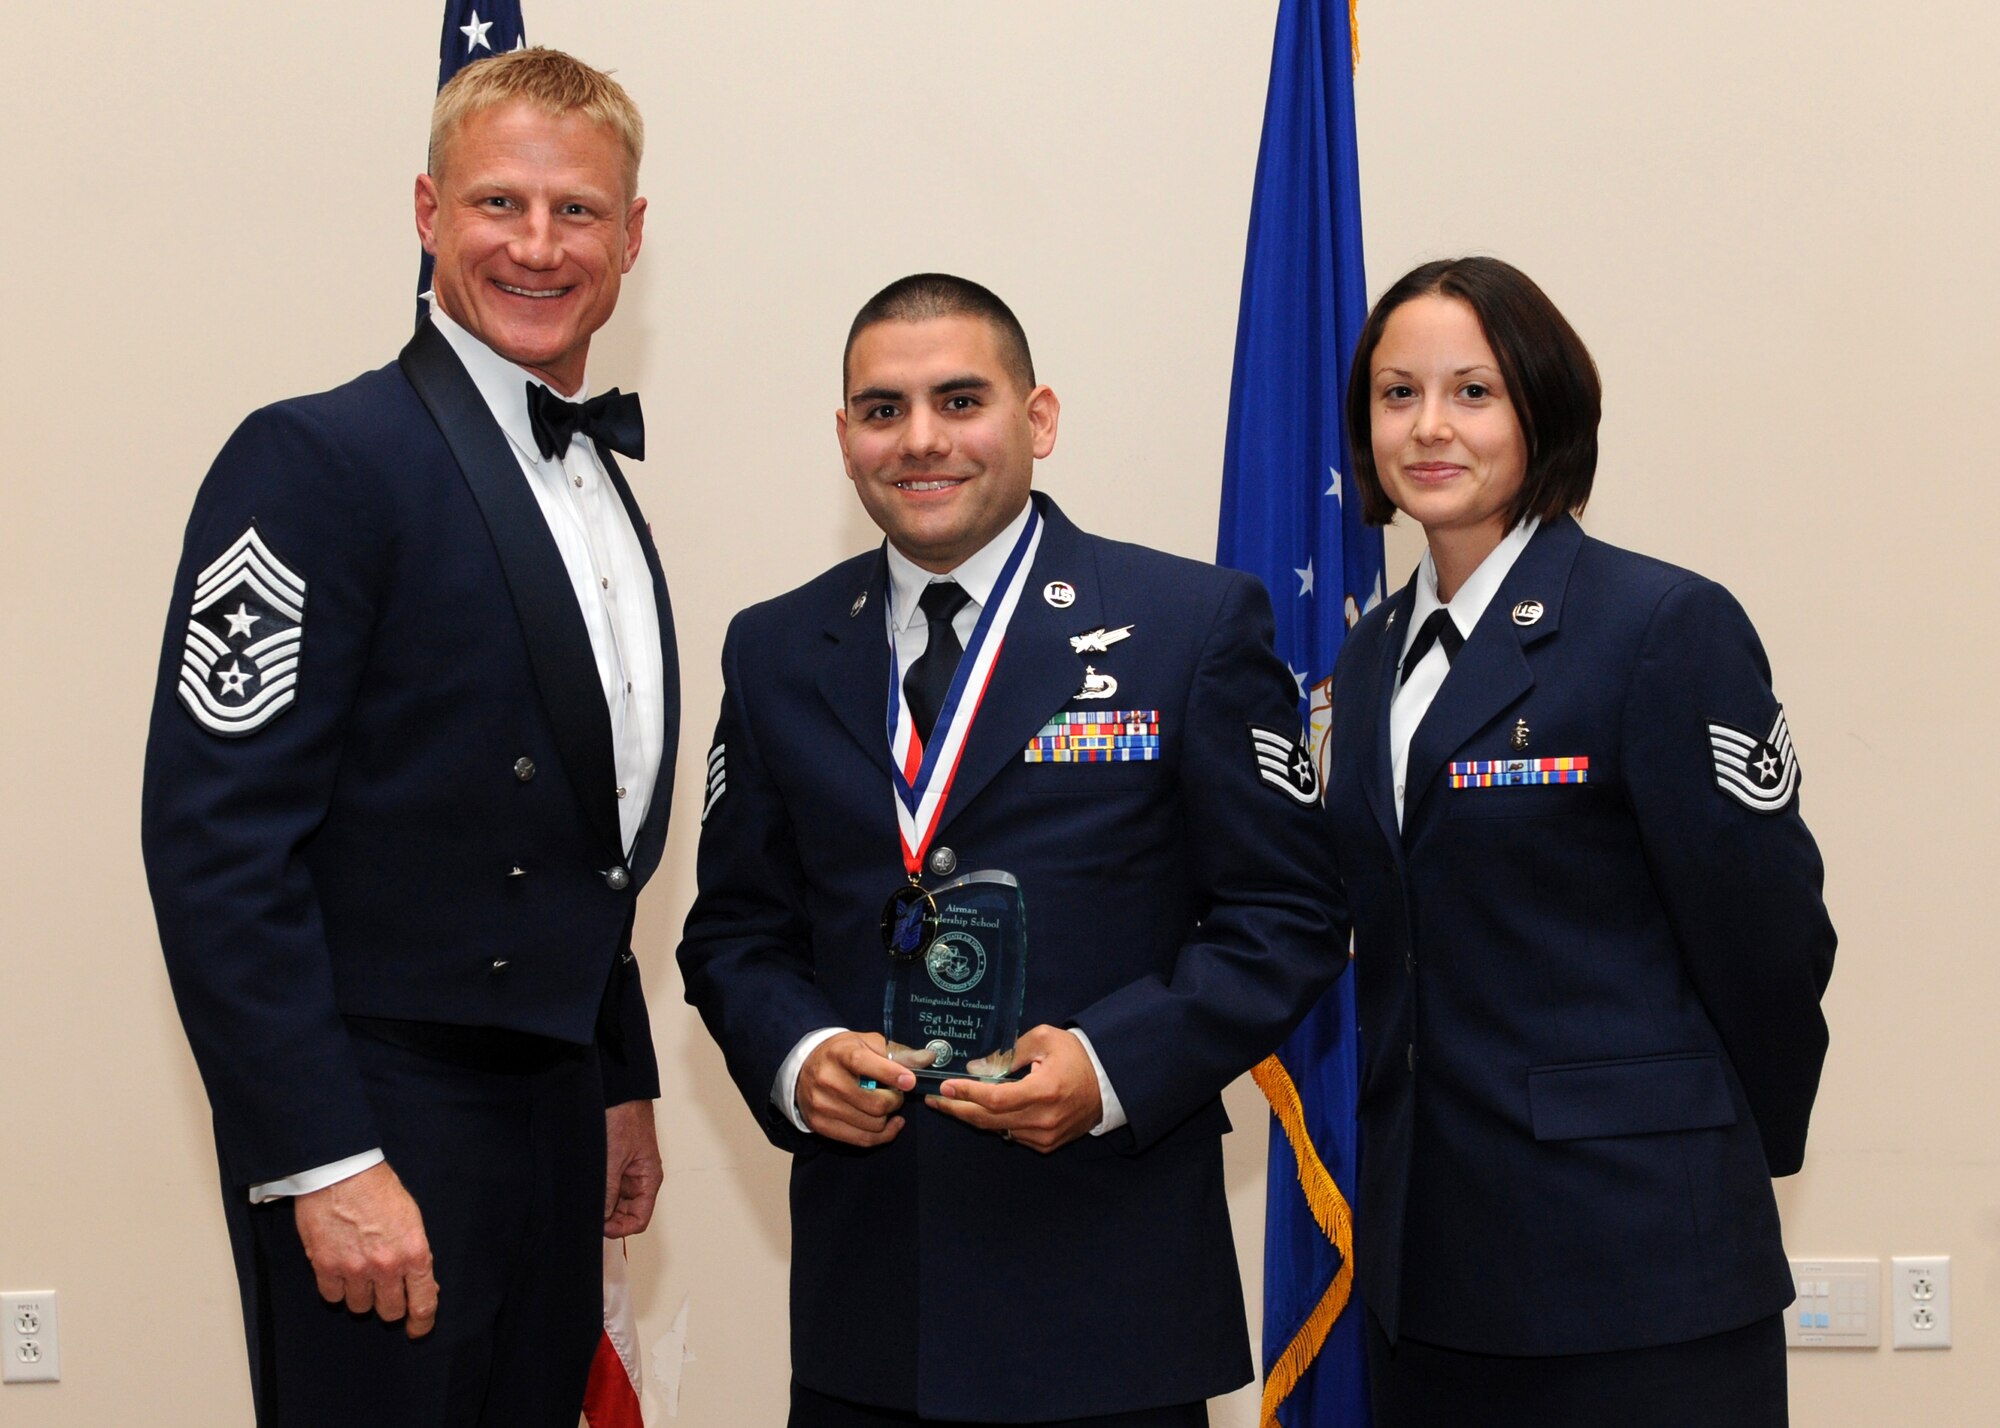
1761 774
246 623
1092 736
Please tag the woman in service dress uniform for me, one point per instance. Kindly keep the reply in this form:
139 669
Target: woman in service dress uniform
1589 938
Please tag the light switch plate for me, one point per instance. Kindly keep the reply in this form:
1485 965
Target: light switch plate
1839 1304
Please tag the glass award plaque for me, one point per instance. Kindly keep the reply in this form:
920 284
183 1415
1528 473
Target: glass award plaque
952 1007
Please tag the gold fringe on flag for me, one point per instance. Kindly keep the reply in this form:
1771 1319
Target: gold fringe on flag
1354 31
1330 1211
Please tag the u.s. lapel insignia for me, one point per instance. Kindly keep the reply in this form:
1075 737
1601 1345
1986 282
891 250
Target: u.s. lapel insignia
1059 593
1529 611
240 666
1519 738
859 601
1284 762
1095 685
1761 774
1390 623
1099 640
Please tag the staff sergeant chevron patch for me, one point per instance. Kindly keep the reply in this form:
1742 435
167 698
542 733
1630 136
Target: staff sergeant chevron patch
1761 774
240 663
1284 762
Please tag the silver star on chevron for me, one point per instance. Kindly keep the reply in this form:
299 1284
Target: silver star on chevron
241 621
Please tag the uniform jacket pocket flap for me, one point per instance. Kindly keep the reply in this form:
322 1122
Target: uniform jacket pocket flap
1638 1097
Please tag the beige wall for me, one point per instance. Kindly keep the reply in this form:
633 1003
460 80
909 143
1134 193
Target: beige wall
1772 222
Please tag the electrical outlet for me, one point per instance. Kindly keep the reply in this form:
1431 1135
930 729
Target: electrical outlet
28 1337
1838 1305
1921 1297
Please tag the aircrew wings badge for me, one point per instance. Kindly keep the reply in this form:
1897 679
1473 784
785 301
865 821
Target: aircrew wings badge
1284 762
240 662
1761 774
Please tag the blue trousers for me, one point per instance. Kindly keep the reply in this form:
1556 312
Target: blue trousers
500 1139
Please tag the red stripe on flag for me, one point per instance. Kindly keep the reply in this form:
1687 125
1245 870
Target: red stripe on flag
609 1400
611 1396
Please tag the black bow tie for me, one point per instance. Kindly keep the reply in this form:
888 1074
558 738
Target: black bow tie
611 420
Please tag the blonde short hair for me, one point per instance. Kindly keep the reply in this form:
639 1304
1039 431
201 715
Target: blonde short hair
553 82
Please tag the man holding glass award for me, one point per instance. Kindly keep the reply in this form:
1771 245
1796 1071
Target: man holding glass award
1016 820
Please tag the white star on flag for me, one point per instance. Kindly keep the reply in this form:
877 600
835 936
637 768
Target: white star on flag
475 34
1334 489
1375 598
1298 678
1305 577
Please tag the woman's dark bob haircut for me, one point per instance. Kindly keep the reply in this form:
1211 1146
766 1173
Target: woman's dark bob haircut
1544 364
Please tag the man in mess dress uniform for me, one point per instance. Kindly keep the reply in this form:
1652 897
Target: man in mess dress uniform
410 764
1110 726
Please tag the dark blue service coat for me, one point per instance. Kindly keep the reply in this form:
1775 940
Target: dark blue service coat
1178 912
1590 1013
423 824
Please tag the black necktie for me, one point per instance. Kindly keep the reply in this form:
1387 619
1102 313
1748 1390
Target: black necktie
612 420
1440 629
929 679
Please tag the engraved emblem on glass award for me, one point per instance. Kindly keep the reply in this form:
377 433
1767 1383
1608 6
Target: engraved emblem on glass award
954 1010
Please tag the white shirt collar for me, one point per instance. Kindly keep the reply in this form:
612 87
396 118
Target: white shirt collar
499 381
1479 589
978 573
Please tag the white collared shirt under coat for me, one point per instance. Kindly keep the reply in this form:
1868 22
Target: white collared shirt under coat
1413 695
606 565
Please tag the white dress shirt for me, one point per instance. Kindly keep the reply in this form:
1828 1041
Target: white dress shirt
1412 699
614 590
909 631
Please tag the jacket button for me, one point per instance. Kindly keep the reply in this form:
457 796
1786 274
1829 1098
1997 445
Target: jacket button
1410 961
1411 1056
524 768
499 964
617 879
944 862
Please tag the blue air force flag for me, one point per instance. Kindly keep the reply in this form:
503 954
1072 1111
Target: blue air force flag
1290 515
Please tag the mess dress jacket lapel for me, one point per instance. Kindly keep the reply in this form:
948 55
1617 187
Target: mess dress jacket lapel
1589 1012
428 832
1177 912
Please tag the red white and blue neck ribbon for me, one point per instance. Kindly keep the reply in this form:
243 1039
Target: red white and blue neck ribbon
923 772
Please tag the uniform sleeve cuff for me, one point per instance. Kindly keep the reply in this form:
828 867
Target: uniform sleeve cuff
1114 1110
785 1087
318 1178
